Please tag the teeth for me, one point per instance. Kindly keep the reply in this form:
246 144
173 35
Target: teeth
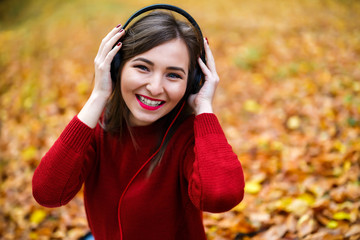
149 102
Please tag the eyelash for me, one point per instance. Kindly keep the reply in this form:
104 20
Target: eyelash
142 67
174 75
170 75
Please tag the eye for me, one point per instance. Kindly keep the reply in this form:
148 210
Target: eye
142 68
174 76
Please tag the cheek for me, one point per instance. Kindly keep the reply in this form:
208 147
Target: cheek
128 83
127 80
178 91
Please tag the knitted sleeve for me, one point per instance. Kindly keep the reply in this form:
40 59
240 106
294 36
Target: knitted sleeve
61 172
215 176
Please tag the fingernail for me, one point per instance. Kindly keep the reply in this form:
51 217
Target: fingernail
119 44
118 26
207 41
121 30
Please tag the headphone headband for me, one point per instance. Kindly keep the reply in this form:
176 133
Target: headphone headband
165 7
174 9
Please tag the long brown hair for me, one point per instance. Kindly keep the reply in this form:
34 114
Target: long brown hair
150 31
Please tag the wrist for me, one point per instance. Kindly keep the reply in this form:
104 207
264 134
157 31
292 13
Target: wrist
99 96
204 109
92 109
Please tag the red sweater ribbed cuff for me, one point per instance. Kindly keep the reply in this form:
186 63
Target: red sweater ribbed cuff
77 135
207 123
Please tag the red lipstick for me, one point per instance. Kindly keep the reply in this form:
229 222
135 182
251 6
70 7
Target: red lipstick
149 103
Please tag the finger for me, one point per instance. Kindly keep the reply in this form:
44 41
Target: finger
204 67
110 56
111 34
210 61
105 64
209 76
110 44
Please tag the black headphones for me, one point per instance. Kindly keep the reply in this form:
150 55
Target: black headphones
198 74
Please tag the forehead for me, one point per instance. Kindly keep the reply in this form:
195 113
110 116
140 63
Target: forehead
171 53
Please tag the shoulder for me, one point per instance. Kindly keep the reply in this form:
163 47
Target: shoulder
200 125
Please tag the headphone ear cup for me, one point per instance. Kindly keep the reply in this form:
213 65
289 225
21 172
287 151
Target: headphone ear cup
198 80
114 68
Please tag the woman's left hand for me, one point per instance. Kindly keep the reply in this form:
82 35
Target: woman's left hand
201 102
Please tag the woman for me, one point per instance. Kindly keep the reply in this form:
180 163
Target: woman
152 156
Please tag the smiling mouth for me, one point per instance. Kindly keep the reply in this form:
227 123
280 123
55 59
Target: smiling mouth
149 104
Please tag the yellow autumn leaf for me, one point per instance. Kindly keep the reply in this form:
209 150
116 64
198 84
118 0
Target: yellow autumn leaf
33 235
37 216
240 207
308 198
251 106
213 229
252 187
339 146
29 153
342 216
284 203
215 216
332 224
346 166
82 87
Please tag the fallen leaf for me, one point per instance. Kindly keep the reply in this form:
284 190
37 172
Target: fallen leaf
38 216
341 216
251 106
252 187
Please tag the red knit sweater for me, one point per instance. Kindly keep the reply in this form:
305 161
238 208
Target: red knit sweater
198 172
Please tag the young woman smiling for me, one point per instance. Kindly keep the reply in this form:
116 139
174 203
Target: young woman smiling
151 155
154 82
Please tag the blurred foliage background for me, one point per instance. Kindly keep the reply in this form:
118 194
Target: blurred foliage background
288 101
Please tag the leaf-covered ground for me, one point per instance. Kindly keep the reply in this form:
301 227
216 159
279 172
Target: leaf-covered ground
289 103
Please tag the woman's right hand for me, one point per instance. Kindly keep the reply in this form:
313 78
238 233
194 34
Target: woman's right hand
103 59
94 106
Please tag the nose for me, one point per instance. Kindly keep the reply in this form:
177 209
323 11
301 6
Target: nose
155 85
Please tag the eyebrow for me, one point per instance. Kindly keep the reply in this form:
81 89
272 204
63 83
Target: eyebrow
152 64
